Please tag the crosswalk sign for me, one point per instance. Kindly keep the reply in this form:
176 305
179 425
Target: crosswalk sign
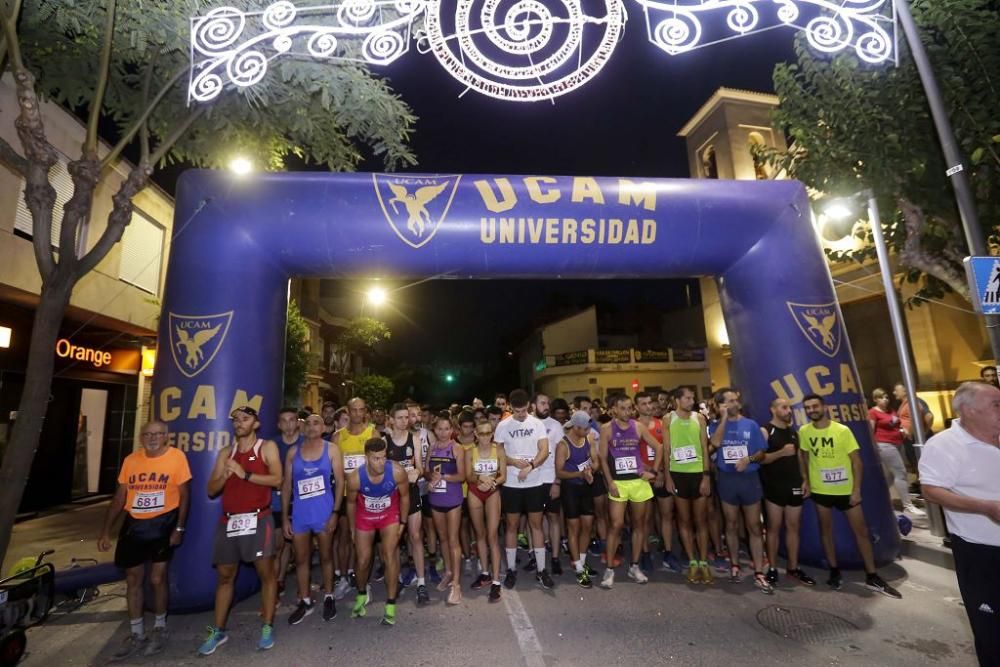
984 283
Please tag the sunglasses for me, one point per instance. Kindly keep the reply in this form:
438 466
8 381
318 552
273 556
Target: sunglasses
246 409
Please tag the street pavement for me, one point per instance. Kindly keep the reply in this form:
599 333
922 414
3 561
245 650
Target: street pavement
667 621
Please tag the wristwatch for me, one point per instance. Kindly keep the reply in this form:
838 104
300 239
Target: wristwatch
180 529
246 475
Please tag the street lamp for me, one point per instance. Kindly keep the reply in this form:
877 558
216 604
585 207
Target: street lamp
845 209
240 166
377 296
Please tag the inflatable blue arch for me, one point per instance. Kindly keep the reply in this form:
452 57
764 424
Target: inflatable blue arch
238 240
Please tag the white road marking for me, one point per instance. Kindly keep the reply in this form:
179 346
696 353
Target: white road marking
531 649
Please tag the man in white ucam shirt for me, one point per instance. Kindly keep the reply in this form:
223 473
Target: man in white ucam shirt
527 446
959 469
552 509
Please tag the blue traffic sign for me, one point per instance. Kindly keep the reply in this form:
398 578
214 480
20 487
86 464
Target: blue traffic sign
984 283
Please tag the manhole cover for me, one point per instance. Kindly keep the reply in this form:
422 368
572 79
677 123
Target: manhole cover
806 625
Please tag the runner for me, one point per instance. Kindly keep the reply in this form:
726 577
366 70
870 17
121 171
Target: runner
485 471
289 436
526 445
404 449
552 508
628 482
833 462
329 413
783 475
445 474
576 460
245 474
664 508
378 500
739 448
689 478
154 491
309 470
465 437
351 440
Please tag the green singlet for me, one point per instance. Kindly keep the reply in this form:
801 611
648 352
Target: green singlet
685 444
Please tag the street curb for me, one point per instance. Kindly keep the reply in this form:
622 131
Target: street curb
932 554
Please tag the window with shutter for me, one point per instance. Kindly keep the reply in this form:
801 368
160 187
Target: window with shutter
142 253
63 184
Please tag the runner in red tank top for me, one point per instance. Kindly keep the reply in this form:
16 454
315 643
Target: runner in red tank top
245 474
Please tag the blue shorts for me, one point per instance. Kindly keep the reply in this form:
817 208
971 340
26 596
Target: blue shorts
299 526
739 488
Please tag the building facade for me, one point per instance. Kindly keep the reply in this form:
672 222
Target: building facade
98 393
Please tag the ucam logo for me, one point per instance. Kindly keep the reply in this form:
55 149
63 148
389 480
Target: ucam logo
819 323
196 339
415 206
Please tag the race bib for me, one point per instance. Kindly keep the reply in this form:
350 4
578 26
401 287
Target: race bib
485 466
353 462
147 502
733 453
685 454
241 524
626 464
833 475
379 504
440 486
311 487
650 453
584 466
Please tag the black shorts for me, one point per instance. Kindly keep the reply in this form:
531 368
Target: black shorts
687 484
599 488
415 504
784 496
145 540
842 503
577 500
521 500
233 549
660 491
425 505
550 506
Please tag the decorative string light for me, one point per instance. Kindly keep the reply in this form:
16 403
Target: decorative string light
516 50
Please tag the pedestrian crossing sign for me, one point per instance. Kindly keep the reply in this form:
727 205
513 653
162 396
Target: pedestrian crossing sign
984 283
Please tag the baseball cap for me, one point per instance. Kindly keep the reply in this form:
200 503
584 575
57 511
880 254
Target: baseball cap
246 409
580 419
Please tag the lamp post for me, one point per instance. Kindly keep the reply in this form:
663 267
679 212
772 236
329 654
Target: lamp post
843 209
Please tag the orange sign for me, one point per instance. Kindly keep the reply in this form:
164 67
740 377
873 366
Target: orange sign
116 361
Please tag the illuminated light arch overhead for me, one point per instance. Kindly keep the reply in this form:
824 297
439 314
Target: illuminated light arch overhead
517 50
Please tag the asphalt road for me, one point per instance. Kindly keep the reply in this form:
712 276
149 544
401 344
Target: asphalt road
665 621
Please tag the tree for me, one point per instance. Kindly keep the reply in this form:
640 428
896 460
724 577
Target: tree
297 357
856 126
122 65
377 390
363 334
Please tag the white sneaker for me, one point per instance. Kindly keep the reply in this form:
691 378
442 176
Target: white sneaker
608 580
636 575
341 588
914 510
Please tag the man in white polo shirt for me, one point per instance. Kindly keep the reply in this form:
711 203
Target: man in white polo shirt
959 470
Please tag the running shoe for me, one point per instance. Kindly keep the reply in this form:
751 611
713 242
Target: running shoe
510 580
531 565
341 587
835 581
157 640
596 547
266 640
694 572
433 574
301 611
422 596
494 593
735 575
389 615
873 582
635 574
131 645
719 564
804 578
544 580
352 579
216 638
407 578
583 580
772 576
379 573
646 562
761 582
369 595
589 570
329 608
670 563
604 559
522 541
706 572
564 543
358 610
480 581
608 580
914 510
557 566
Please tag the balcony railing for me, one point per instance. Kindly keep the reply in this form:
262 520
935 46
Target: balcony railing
592 356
